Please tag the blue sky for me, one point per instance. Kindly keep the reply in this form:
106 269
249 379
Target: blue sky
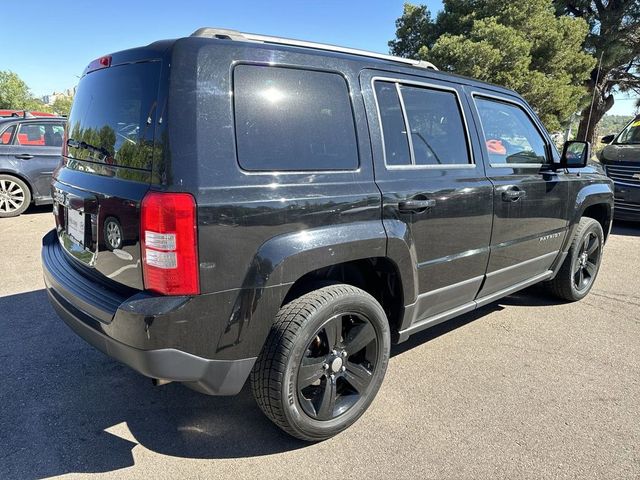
81 30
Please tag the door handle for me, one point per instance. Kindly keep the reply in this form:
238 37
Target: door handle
513 195
24 156
416 205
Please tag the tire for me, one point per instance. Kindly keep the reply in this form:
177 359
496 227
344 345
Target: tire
299 381
112 233
580 269
15 196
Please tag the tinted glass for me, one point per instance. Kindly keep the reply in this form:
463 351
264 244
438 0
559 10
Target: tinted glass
631 134
510 135
113 114
290 119
396 145
437 130
5 138
40 135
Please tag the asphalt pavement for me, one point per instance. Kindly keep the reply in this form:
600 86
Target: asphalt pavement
527 387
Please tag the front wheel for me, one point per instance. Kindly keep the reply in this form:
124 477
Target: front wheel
579 270
323 362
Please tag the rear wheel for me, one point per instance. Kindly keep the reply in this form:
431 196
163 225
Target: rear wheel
323 362
579 270
15 196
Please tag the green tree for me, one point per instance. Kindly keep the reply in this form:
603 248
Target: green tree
62 105
14 93
614 37
414 29
520 45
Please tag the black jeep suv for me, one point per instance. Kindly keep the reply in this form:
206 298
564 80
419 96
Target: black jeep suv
232 205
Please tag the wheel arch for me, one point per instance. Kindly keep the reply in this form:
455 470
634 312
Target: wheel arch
594 201
288 265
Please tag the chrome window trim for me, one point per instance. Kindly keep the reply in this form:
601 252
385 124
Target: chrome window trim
407 127
516 165
413 166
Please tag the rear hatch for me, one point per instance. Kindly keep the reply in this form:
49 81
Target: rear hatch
107 166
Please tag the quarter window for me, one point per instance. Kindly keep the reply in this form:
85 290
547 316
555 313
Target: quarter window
292 119
510 135
5 138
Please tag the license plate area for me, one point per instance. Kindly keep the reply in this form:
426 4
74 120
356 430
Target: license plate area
76 213
76 225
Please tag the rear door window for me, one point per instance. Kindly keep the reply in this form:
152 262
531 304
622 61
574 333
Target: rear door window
289 119
44 134
394 130
437 130
422 126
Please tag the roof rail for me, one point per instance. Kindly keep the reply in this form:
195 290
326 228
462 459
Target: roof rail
223 33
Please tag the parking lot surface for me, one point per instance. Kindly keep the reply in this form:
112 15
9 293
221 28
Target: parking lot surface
524 388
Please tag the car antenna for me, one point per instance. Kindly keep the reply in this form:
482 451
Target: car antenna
593 97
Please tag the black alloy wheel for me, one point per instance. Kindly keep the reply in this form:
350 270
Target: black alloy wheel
585 266
578 272
323 362
338 366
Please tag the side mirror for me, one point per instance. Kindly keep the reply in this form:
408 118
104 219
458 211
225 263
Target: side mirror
575 154
607 139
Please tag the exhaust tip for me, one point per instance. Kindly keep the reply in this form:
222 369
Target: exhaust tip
157 382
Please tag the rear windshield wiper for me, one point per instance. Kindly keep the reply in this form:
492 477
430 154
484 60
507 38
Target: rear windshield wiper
87 146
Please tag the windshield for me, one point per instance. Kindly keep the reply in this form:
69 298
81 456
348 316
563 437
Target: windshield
631 134
112 119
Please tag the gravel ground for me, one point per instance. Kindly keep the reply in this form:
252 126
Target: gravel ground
524 388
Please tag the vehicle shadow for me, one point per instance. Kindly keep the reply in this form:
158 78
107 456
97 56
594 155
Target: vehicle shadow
535 296
434 332
629 229
35 209
67 408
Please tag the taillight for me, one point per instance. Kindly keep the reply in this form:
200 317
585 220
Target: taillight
168 232
65 146
98 63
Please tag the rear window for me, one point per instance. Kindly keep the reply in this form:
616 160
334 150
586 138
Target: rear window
292 119
112 118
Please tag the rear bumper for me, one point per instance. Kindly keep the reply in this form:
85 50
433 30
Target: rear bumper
89 307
